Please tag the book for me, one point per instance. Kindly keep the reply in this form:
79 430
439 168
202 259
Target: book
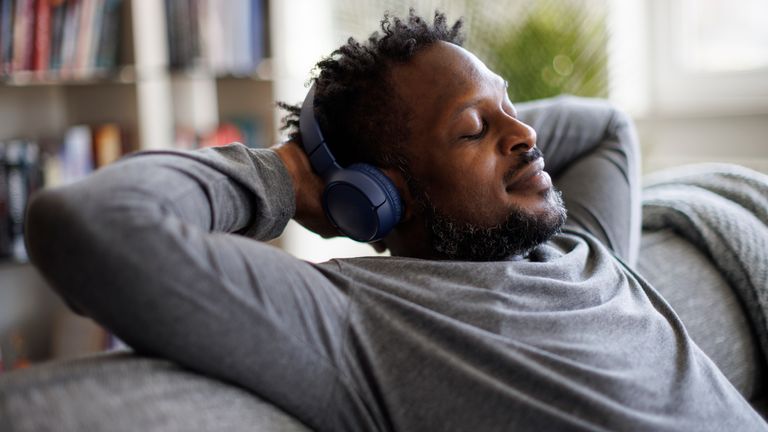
107 49
224 134
20 175
21 157
76 154
23 35
69 38
109 39
258 32
250 130
5 232
72 38
215 38
42 41
84 38
57 13
6 37
239 21
93 46
107 144
193 33
33 162
226 37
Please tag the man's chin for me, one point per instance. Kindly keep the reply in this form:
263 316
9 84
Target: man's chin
520 233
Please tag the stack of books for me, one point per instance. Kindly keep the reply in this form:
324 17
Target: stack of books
28 165
244 129
225 37
20 175
63 39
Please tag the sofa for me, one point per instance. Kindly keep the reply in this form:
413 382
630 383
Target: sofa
125 391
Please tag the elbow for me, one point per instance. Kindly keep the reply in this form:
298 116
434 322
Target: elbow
62 234
49 227
45 227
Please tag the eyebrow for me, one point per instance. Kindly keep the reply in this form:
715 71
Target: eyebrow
463 107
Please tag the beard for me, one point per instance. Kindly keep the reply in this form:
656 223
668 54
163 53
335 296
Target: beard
517 235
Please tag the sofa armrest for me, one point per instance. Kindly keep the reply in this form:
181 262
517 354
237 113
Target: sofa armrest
125 392
709 308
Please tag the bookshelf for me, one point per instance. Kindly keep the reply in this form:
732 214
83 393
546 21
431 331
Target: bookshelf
152 97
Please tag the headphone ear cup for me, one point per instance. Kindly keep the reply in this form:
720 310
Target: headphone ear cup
390 190
362 202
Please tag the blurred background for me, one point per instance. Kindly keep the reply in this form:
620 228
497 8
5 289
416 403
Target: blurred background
83 82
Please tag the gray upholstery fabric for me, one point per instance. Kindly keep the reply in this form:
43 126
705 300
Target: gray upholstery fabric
710 310
122 392
722 209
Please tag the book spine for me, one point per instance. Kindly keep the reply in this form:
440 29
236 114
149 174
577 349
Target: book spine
96 35
170 27
6 37
193 33
85 34
76 154
258 32
216 36
23 35
240 20
17 196
5 217
107 145
69 40
58 9
183 34
203 33
42 46
33 163
106 52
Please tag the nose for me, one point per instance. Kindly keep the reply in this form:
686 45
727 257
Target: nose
518 137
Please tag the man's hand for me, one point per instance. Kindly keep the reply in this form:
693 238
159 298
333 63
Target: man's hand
308 187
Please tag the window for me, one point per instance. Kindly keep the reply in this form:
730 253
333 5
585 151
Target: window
721 36
709 56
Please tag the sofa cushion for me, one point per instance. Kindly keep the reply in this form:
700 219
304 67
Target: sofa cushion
708 307
123 392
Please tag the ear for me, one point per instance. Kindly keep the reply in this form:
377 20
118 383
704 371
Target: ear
405 193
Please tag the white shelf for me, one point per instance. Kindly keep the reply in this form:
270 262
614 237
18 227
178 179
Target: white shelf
122 75
146 98
143 95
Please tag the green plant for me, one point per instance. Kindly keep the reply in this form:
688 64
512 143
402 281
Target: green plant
558 47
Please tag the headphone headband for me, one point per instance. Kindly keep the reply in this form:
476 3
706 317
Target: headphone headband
312 139
360 200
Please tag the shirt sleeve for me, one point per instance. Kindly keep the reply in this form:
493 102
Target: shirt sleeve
160 247
591 151
232 188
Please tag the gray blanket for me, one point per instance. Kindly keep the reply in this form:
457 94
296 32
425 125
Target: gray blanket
722 209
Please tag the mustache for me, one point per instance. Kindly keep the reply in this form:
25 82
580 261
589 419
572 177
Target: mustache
524 159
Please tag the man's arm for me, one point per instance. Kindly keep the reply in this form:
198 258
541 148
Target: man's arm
145 247
591 152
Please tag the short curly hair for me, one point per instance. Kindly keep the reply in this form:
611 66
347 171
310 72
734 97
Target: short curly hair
356 105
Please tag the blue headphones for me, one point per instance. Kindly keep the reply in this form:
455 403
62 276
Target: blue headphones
360 201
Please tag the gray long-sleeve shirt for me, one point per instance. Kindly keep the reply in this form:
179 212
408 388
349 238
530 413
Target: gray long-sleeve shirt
161 247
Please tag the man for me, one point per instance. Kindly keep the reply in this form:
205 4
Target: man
487 317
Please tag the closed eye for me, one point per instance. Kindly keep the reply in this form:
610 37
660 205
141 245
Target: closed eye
478 135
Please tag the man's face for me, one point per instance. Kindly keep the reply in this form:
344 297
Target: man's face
475 168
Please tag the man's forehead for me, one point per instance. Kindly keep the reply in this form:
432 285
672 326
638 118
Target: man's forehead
439 64
441 74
